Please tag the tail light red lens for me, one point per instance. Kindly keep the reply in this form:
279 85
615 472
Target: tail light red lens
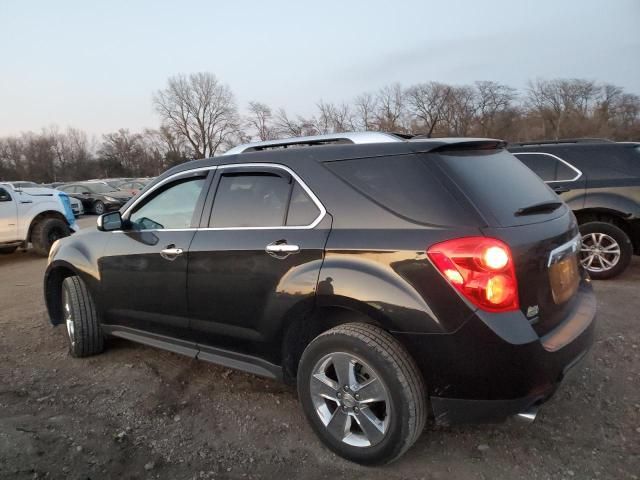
480 268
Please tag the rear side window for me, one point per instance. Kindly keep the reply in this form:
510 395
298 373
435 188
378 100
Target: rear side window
607 162
251 200
302 210
498 184
548 167
407 185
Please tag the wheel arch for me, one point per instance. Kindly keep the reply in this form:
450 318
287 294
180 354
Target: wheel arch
301 328
53 278
43 215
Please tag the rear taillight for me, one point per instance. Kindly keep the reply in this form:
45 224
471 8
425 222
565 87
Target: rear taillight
481 269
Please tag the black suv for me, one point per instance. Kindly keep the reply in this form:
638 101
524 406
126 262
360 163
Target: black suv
600 181
390 279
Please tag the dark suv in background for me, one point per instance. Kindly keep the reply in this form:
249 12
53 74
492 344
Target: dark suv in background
97 197
389 279
600 181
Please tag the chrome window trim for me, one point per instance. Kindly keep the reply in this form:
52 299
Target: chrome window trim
578 172
295 176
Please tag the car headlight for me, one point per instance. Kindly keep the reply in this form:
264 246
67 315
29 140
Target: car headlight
110 199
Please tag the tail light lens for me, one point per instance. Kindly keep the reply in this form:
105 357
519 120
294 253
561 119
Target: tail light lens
480 268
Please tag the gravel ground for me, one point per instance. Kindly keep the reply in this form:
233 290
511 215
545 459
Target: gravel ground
137 412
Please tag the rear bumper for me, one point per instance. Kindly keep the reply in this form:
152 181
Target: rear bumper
495 367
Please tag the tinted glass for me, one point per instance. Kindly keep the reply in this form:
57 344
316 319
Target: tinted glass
407 185
68 189
97 188
302 210
4 195
548 168
250 200
498 185
607 161
172 207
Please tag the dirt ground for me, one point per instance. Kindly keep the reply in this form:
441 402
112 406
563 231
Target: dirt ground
137 412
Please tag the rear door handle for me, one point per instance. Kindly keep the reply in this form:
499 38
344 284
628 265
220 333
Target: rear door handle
170 253
282 248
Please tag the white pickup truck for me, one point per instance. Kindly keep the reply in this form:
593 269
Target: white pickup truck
38 216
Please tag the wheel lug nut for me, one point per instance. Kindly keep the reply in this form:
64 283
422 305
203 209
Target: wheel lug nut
346 388
356 409
357 396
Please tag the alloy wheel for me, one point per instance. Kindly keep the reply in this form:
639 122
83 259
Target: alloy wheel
599 252
351 399
69 319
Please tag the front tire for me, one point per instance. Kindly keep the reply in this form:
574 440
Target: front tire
362 393
606 250
45 232
83 328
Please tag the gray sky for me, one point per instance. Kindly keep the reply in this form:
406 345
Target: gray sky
94 65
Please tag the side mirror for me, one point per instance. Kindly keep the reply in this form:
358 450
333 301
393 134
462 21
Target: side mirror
109 222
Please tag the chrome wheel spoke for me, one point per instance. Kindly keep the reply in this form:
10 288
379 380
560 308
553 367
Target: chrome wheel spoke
325 387
372 427
340 424
371 391
345 369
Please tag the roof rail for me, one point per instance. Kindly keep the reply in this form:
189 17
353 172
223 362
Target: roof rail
563 140
332 138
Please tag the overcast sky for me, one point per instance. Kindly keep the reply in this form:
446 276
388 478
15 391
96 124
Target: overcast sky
94 65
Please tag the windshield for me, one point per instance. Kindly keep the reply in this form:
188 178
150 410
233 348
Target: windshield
98 188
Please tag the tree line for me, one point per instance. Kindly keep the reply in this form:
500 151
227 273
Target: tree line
199 118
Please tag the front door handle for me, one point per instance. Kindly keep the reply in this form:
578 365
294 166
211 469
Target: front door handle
170 253
561 189
281 249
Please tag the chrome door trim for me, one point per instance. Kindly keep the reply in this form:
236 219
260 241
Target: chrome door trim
304 186
578 172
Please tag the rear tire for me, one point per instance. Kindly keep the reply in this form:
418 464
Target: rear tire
7 250
98 207
606 249
83 328
380 411
45 232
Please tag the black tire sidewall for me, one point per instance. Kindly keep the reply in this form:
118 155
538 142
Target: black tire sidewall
40 236
66 291
7 250
398 429
623 240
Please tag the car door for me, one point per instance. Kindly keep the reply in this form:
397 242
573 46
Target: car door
8 216
257 257
144 266
563 177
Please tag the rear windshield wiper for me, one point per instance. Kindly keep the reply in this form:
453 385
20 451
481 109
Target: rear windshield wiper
541 207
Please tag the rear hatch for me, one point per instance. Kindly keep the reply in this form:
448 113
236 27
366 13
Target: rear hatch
519 209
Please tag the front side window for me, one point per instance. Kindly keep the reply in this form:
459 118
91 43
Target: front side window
548 167
251 200
171 207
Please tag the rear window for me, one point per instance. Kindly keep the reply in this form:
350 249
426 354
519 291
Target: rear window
498 184
408 186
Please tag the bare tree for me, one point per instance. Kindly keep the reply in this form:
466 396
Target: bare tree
365 108
199 108
492 101
391 108
428 102
259 119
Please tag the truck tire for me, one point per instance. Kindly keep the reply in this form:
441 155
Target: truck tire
362 393
606 249
83 328
46 231
7 250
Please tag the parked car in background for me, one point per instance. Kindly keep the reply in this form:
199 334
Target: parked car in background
600 181
390 279
39 216
133 186
23 184
97 197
